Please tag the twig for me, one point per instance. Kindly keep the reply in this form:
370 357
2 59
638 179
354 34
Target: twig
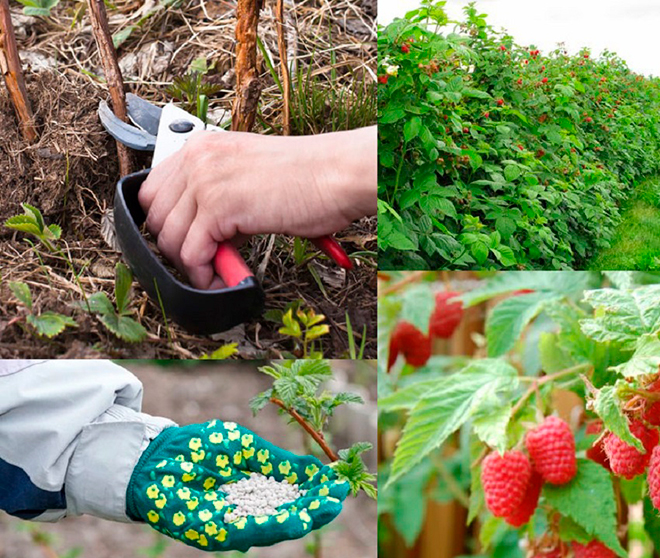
103 38
10 64
248 84
413 277
318 436
284 65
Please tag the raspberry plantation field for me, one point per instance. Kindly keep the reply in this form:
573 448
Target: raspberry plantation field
496 156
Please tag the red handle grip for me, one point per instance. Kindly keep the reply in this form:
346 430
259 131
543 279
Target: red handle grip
230 265
331 248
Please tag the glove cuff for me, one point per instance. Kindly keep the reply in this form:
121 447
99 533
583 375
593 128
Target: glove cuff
153 447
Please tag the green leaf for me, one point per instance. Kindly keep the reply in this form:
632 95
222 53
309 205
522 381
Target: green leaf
121 36
418 305
100 303
225 351
22 293
491 426
444 410
509 318
591 484
287 389
23 223
55 231
259 401
477 499
561 282
608 407
49 324
123 280
411 128
623 315
124 327
36 215
645 359
409 396
511 172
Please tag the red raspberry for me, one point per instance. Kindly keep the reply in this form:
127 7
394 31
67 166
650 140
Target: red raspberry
528 506
652 413
486 114
544 80
597 452
383 79
500 102
595 549
405 49
411 343
625 460
446 316
653 477
505 479
551 447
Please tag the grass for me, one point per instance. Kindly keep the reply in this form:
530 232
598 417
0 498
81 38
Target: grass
636 243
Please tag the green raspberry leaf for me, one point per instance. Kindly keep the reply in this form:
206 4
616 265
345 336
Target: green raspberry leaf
509 318
623 316
418 305
608 407
447 406
589 501
22 293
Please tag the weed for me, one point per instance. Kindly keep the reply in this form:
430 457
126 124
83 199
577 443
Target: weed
46 324
117 318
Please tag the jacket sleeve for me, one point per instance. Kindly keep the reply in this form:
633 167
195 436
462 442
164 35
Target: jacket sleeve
71 433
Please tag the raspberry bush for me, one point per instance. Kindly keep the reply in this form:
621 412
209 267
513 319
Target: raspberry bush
494 155
546 433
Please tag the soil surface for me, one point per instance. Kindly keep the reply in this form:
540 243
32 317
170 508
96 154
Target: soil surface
190 394
70 174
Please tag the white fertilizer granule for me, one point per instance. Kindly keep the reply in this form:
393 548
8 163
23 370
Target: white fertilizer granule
258 495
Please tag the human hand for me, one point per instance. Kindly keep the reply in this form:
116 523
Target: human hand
223 185
177 488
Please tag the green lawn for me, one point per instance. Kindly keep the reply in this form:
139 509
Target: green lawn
636 244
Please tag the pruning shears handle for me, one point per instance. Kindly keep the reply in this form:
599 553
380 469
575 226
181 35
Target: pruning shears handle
331 248
230 265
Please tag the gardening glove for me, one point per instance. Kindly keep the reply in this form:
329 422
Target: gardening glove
176 487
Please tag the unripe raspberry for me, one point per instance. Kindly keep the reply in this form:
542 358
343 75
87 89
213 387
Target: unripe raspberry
625 460
505 479
596 452
411 343
653 477
551 446
528 506
595 549
446 316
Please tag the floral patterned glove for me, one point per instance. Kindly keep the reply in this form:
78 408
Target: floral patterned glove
176 488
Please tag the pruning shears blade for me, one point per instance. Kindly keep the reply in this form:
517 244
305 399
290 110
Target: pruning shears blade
143 114
133 137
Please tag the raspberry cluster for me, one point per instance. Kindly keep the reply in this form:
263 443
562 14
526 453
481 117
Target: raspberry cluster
513 482
415 347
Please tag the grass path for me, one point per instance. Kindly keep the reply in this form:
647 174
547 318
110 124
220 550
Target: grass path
636 243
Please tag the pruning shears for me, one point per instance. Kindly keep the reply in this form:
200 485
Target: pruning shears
164 131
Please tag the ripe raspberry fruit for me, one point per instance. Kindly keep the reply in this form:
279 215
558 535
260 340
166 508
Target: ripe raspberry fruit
528 506
405 49
411 343
596 452
544 80
551 447
505 479
652 412
383 79
446 316
500 102
625 460
595 549
653 477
